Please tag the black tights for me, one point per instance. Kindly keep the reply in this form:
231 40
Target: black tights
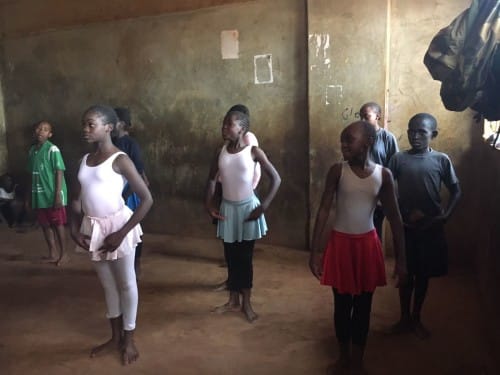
352 317
416 285
239 256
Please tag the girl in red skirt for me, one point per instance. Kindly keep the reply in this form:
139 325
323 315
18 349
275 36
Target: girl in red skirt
353 263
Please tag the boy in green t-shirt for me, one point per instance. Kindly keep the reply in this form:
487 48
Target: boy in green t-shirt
48 190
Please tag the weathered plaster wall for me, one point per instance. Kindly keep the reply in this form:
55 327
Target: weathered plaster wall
169 71
21 17
3 131
346 69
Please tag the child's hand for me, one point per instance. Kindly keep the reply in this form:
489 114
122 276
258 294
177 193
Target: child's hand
58 201
315 265
255 214
215 214
112 242
400 274
81 240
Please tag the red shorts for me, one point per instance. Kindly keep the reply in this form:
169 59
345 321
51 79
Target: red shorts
353 263
51 216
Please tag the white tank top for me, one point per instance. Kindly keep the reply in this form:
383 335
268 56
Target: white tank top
236 174
356 199
101 187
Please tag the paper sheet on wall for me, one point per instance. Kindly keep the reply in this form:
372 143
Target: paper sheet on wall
229 44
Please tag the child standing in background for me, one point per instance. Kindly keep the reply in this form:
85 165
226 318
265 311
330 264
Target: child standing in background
249 139
384 146
129 145
420 173
240 216
48 191
104 226
353 263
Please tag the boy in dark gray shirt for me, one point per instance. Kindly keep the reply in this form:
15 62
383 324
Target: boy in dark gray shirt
420 172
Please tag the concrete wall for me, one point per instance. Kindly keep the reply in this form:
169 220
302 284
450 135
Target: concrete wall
169 70
347 46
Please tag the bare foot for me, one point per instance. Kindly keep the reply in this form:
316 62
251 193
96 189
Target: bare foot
227 307
130 354
420 331
337 368
62 260
221 287
401 327
46 260
107 347
250 314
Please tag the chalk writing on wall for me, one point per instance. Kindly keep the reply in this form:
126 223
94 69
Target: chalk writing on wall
349 113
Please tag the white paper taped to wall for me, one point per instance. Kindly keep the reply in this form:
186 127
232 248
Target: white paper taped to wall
263 68
229 44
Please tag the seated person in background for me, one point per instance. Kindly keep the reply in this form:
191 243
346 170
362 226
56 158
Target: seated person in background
11 202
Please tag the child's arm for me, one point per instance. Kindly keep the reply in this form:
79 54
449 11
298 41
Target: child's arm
388 199
57 191
322 216
259 156
124 166
75 218
251 140
210 189
455 194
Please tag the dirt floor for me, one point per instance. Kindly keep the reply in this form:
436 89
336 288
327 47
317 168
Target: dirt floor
52 316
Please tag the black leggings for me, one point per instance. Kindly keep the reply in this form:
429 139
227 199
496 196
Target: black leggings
239 257
352 317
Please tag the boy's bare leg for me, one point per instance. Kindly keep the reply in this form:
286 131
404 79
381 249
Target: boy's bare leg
130 353
247 306
49 235
421 285
115 342
60 232
232 305
405 323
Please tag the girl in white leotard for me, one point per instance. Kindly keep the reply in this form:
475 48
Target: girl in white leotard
104 226
353 264
240 215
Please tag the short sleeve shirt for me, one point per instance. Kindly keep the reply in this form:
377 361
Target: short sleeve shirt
384 147
43 163
129 145
419 179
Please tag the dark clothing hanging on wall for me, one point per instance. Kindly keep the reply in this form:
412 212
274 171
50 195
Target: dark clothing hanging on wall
465 57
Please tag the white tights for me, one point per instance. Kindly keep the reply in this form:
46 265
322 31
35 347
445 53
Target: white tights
120 288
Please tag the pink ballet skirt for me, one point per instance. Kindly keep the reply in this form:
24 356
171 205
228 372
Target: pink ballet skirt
98 228
353 263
